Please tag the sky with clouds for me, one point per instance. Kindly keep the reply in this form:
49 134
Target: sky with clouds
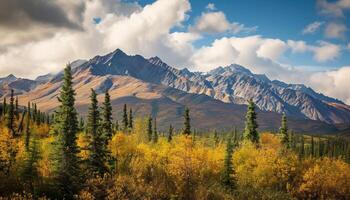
294 41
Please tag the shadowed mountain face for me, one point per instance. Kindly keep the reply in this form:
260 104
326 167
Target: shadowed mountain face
216 98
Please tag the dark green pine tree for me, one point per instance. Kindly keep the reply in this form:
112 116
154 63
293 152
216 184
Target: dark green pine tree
35 113
284 131
97 155
227 178
27 131
107 125
131 120
302 147
155 131
170 133
116 126
149 129
66 160
125 118
216 138
187 122
312 147
81 126
4 107
16 108
11 115
250 132
30 171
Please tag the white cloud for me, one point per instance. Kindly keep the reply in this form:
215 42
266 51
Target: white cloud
312 28
210 6
335 30
272 49
333 83
335 8
323 51
326 51
124 25
298 46
216 22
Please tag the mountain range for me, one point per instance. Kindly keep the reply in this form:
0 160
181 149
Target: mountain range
216 98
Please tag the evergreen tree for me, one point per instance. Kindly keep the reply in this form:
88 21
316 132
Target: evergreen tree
170 133
66 158
187 122
16 107
250 132
116 126
97 155
125 118
302 148
107 126
216 138
155 132
130 122
149 129
27 133
30 171
11 115
81 125
4 107
228 179
312 146
35 113
284 131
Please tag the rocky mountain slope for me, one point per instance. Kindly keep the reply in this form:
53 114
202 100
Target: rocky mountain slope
216 98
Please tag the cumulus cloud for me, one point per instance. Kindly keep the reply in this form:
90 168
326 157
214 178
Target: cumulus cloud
210 6
333 8
312 28
123 25
216 22
323 51
333 83
335 30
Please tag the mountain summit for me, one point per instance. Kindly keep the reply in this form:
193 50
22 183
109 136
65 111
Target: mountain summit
135 80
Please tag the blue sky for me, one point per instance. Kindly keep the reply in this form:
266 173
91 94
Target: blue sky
280 19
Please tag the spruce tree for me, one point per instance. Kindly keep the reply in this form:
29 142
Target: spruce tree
170 133
16 107
125 118
97 155
30 171
228 179
130 122
187 122
312 146
116 126
4 107
27 132
302 148
149 129
81 125
11 115
216 138
284 131
107 125
250 132
155 131
66 158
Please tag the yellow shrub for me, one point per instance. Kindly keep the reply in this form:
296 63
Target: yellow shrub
327 179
